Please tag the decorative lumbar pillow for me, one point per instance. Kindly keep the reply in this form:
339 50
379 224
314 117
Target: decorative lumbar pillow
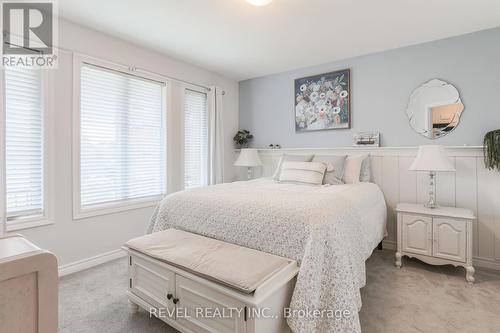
310 173
352 168
335 168
293 158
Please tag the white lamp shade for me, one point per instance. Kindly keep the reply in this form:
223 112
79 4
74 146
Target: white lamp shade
248 158
431 158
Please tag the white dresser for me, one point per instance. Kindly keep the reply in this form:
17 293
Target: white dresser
436 236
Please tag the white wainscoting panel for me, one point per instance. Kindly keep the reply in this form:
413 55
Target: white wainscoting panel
471 186
466 191
407 180
390 184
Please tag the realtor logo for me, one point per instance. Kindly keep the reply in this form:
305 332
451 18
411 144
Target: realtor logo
28 32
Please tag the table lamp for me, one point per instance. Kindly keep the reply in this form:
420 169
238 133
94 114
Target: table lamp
432 158
248 158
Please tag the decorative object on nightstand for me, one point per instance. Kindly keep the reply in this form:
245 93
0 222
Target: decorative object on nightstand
248 158
436 236
432 158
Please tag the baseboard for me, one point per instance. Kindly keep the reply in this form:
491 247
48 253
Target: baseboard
476 261
83 264
389 244
486 263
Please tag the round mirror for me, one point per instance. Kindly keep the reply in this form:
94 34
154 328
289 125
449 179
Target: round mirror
434 109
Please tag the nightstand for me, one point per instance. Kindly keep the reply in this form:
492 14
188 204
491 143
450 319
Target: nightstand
436 236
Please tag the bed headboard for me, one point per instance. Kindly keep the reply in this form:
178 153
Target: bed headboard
471 186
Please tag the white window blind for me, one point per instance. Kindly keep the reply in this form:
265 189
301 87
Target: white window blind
24 142
122 137
195 139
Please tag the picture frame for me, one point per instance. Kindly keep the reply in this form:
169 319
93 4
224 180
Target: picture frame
366 139
323 101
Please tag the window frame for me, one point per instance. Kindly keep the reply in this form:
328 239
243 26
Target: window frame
47 218
80 212
205 91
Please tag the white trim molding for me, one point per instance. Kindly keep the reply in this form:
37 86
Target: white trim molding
84 264
389 245
477 261
486 263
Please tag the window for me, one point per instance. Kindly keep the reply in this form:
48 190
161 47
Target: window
122 139
195 139
24 144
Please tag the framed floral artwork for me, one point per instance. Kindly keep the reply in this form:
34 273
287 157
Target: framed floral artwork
323 102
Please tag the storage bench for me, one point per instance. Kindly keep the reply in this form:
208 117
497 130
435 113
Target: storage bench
198 284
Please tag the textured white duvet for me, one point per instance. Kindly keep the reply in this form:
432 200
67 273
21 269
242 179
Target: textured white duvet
329 230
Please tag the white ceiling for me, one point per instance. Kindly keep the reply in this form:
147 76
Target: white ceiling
242 41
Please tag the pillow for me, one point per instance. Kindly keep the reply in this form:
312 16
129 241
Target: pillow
366 171
294 158
352 168
309 173
333 174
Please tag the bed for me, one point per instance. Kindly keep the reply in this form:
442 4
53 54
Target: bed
329 230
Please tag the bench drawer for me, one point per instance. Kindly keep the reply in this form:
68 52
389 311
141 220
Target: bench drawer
193 295
151 282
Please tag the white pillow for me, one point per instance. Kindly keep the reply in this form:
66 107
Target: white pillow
352 168
334 168
288 157
310 173
366 171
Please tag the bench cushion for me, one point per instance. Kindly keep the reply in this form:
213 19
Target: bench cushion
235 266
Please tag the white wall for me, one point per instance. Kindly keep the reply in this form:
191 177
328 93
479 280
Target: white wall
381 85
73 240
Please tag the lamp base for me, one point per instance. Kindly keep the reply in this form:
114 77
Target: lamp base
432 203
249 173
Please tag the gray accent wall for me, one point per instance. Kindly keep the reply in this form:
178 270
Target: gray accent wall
381 84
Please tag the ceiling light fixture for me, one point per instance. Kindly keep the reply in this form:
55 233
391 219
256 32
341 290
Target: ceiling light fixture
259 2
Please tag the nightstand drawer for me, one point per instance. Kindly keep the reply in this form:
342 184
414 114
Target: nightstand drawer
449 239
417 234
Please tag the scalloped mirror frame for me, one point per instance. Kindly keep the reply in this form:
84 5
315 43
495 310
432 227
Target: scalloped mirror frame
434 109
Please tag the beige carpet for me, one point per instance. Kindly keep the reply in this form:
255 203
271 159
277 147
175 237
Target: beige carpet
416 298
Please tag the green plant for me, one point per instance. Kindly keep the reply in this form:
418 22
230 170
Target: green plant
242 137
491 148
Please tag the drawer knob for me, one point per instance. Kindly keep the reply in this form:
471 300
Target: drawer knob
169 296
175 300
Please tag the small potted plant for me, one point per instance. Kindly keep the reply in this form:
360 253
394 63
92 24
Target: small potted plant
242 138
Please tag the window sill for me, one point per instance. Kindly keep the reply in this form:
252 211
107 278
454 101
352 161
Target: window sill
104 209
27 224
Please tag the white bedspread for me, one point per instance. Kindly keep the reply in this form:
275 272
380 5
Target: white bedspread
329 230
